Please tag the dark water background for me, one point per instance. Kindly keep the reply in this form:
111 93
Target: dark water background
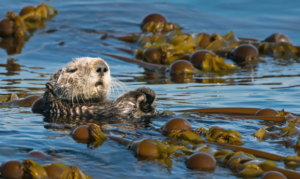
274 84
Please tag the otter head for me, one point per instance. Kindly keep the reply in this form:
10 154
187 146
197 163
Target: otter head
83 80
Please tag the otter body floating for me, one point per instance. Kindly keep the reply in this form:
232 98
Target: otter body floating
81 89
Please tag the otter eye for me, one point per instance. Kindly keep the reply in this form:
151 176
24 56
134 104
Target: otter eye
72 70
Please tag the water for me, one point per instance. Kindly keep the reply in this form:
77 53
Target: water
274 84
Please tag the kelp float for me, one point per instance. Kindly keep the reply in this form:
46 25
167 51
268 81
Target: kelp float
30 169
16 29
163 44
202 156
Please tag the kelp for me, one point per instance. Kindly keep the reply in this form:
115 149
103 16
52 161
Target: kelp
228 42
238 158
185 42
262 134
32 169
164 149
290 130
20 24
89 134
61 165
177 45
146 65
218 44
244 161
216 63
189 136
73 172
19 28
13 100
282 50
233 110
288 173
208 149
160 27
245 164
254 152
220 135
201 131
97 137
66 172
169 53
9 98
167 113
149 149
202 40
141 149
148 40
292 160
232 40
245 111
41 12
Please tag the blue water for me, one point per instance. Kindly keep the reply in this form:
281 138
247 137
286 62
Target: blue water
274 84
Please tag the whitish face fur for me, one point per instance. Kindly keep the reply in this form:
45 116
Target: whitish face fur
82 80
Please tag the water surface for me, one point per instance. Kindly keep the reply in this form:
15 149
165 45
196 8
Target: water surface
274 84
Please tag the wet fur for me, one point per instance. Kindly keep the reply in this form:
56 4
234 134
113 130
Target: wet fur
70 93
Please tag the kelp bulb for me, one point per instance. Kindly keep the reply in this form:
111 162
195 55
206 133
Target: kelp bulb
11 169
277 37
201 161
198 57
273 175
177 124
266 112
154 18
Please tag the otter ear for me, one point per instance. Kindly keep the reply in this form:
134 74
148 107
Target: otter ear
49 85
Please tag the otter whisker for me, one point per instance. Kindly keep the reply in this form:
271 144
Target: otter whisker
113 86
116 87
118 84
110 89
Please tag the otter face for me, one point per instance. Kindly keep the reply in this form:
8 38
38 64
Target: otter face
83 79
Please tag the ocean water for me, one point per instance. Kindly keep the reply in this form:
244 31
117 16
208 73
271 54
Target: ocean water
72 33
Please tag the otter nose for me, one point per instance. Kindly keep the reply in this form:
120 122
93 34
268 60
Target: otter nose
101 69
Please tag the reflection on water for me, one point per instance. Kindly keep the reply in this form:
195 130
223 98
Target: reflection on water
272 82
11 67
14 85
12 45
154 77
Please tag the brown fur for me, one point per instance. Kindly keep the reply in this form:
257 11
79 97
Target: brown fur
79 90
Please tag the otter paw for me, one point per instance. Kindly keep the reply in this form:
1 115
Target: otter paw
150 94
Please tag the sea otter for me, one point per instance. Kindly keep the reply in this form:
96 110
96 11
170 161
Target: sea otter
81 88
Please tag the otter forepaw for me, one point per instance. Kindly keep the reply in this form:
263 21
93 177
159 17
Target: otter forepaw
149 105
150 94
